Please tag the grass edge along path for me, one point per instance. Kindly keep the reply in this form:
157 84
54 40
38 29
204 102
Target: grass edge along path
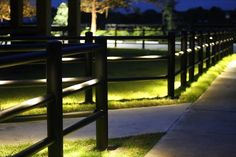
197 88
133 146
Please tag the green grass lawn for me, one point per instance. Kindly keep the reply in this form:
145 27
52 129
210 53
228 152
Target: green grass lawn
129 91
135 146
122 94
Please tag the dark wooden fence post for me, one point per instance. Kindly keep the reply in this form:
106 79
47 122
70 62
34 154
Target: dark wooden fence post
192 56
116 27
228 43
143 42
171 64
200 53
225 43
208 50
221 45
217 46
184 46
231 43
54 108
88 68
214 48
101 95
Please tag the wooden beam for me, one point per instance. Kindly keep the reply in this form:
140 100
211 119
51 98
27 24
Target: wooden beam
74 18
16 7
44 17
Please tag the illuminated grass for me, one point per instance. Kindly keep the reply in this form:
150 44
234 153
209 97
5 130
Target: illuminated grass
200 86
136 146
123 94
117 91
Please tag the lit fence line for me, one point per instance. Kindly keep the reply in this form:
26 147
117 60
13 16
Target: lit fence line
195 49
55 93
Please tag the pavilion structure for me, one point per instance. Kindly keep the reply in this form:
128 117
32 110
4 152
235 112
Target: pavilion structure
43 18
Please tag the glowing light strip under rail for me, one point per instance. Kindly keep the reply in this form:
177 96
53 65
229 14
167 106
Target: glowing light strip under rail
24 106
136 57
39 81
77 87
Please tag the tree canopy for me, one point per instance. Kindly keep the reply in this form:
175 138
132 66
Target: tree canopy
28 9
102 6
4 10
168 17
99 7
61 15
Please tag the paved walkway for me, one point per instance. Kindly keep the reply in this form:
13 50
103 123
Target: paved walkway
124 122
208 128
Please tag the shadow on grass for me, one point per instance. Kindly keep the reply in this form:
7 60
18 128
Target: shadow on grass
134 146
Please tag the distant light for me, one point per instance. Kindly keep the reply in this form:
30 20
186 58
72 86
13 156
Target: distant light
212 44
114 57
6 82
227 16
68 59
41 80
210 38
204 45
113 41
189 50
177 54
69 79
149 57
181 52
197 48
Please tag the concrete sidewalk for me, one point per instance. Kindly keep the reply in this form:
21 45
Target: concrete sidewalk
208 128
123 122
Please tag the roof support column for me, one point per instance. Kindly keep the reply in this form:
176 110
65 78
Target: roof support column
44 17
16 7
74 18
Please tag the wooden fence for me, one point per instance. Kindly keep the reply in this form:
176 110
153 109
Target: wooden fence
55 93
198 50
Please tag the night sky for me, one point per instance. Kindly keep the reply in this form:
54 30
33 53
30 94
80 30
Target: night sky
184 4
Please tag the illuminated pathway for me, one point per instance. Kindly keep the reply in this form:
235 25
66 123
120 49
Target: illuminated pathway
208 129
124 122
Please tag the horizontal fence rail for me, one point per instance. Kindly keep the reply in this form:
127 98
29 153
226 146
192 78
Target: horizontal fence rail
53 98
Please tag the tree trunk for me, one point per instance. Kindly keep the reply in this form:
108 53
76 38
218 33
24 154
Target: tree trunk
94 18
